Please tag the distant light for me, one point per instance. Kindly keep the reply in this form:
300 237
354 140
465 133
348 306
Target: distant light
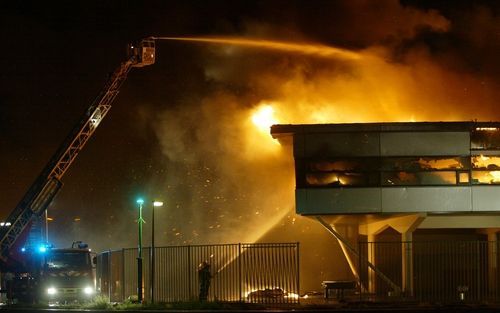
42 249
157 203
51 291
487 128
23 249
140 201
7 224
88 290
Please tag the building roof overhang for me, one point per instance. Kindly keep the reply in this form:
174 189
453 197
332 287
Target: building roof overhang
284 130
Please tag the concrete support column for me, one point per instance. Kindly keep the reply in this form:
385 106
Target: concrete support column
407 263
371 258
492 261
348 256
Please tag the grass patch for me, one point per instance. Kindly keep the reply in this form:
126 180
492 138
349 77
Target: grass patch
98 303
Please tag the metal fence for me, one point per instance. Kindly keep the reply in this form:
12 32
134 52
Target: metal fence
262 273
434 272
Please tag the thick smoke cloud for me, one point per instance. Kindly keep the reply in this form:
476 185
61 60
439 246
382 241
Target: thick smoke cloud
226 183
226 186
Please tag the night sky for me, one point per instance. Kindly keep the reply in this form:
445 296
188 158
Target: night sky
176 131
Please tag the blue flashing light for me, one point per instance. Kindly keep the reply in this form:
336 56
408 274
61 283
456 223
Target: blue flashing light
42 249
140 201
23 249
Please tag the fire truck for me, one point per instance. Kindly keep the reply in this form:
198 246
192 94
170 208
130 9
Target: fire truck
54 275
30 269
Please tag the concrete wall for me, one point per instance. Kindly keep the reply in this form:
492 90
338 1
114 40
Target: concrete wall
381 144
396 200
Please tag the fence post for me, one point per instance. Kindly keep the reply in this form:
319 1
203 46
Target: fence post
478 255
190 283
407 263
491 270
239 271
123 275
110 275
298 271
360 271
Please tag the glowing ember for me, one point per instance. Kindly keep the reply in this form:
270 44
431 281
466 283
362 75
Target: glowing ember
270 293
291 295
487 128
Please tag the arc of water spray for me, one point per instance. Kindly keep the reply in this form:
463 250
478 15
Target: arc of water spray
298 48
363 259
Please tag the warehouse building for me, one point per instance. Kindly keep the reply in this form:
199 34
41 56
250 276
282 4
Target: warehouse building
414 206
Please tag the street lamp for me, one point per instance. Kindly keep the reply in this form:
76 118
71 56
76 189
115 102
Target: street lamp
140 202
152 251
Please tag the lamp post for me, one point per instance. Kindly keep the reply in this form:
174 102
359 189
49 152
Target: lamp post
140 202
152 251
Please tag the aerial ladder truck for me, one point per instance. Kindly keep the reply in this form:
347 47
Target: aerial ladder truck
27 273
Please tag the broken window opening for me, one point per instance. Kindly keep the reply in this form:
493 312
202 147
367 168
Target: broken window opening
419 178
488 162
485 139
486 177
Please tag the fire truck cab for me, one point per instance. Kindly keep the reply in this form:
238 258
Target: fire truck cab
67 275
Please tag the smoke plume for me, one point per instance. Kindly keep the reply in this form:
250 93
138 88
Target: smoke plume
231 182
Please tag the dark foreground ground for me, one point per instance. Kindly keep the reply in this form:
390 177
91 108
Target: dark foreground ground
368 308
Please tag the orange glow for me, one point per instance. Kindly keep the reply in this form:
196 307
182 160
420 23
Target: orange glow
263 118
368 89
496 176
486 162
310 84
260 144
439 164
486 177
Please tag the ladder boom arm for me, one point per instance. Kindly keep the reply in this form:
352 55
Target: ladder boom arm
44 189
48 183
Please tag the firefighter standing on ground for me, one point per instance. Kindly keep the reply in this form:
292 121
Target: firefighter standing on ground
204 278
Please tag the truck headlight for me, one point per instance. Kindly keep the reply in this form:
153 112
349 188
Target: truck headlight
88 290
51 291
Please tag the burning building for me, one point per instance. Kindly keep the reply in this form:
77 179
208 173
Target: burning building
414 206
